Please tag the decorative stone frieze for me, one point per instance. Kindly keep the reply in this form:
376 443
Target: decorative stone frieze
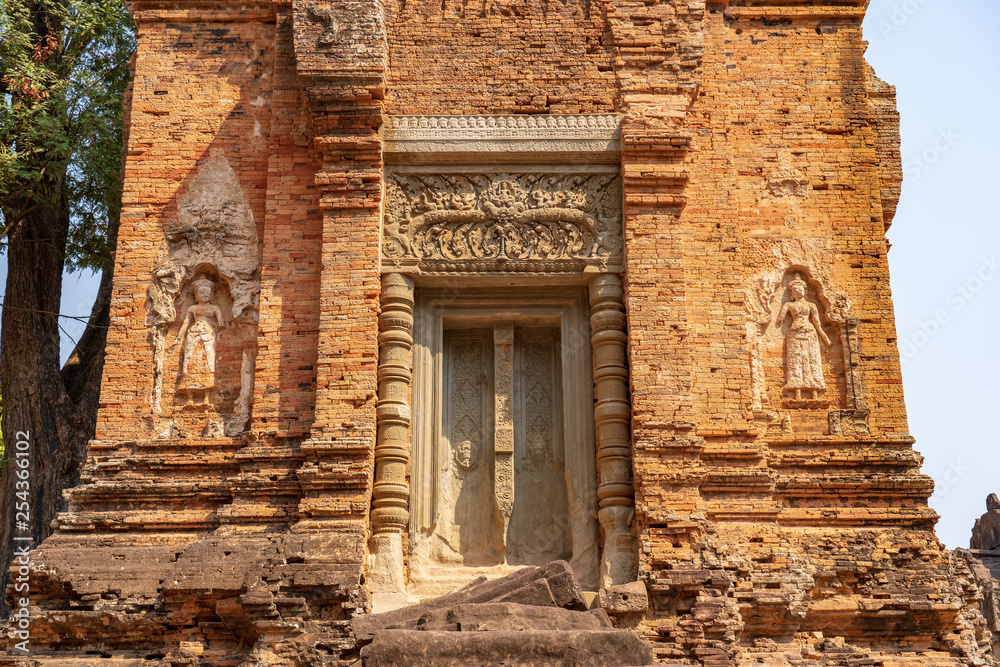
502 223
596 137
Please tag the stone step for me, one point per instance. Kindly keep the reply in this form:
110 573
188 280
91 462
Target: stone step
508 617
545 648
552 585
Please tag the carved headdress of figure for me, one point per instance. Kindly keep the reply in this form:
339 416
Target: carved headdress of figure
798 281
199 283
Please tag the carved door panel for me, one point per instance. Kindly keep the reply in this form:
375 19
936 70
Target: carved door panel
496 384
468 523
504 470
539 528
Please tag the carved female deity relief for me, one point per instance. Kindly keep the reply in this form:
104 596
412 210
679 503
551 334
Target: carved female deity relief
198 333
208 272
797 335
803 356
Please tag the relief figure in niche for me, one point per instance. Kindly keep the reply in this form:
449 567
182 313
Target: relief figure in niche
803 357
199 332
206 286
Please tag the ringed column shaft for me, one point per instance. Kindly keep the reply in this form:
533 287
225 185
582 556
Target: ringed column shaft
391 494
612 416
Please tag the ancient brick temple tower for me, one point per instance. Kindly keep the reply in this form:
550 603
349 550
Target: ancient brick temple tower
413 291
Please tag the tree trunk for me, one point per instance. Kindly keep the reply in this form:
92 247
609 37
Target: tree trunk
52 414
37 403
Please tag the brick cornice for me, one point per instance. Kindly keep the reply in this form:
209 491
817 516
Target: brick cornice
201 11
791 9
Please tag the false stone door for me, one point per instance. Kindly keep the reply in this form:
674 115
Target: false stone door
503 443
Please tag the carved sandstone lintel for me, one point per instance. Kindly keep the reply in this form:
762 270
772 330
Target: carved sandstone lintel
502 222
390 496
612 414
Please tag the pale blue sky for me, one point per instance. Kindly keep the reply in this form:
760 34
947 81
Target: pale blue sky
943 56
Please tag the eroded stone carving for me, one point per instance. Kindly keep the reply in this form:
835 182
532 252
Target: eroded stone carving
210 261
503 439
502 222
160 314
242 417
788 182
780 317
850 423
348 35
466 455
201 323
330 27
803 357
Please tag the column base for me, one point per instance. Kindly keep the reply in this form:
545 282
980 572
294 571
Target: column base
620 559
385 564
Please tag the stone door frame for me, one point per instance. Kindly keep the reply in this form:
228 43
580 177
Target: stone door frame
539 306
551 187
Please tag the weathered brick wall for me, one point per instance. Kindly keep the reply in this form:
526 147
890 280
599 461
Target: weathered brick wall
761 525
284 398
203 83
462 57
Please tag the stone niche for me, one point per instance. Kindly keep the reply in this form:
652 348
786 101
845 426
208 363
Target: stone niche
501 244
804 349
201 309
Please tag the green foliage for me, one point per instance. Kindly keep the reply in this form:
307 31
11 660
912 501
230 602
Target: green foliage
64 68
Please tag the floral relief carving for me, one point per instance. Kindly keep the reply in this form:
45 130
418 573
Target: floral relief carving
467 402
502 222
